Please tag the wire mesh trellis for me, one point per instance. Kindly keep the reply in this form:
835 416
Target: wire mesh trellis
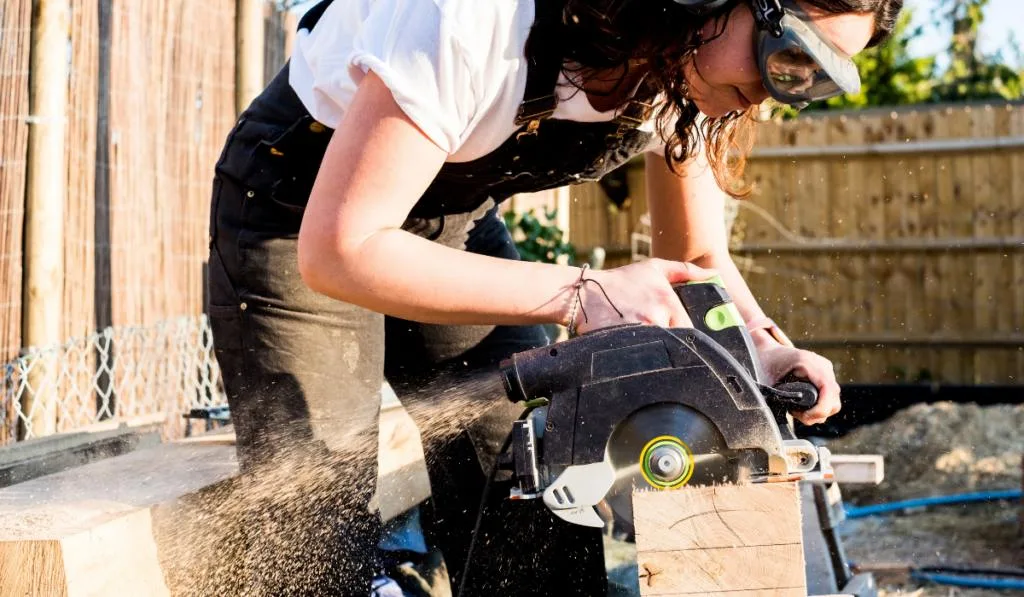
119 373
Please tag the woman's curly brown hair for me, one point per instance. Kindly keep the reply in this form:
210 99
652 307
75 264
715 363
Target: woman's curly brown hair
614 35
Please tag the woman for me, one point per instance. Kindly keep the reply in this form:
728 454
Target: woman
355 233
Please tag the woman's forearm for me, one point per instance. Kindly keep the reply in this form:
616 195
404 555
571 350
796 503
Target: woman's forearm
687 218
399 274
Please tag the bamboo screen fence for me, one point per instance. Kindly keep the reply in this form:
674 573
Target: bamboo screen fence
15 28
151 96
890 241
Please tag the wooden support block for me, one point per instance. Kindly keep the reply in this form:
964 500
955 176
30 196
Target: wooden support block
858 469
402 480
102 529
92 555
726 541
89 531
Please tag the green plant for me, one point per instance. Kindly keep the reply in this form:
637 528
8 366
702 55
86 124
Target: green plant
539 239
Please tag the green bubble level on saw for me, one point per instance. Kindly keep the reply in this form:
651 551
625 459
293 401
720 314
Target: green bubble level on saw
723 316
716 280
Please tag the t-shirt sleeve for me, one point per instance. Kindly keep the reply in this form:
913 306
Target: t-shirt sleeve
425 51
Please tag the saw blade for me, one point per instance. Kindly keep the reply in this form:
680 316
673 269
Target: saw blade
659 447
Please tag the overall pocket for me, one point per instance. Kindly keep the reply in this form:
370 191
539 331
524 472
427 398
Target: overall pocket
223 305
276 166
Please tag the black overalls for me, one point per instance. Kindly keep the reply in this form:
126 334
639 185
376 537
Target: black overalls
303 372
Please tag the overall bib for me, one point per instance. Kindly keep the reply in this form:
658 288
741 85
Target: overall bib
303 372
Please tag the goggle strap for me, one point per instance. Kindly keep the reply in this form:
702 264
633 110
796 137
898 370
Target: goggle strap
768 16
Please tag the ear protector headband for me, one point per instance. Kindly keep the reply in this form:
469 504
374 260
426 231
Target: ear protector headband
701 6
610 8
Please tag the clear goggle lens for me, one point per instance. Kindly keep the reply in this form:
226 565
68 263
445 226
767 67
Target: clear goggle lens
793 73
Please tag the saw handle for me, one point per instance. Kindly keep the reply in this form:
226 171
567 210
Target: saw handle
793 394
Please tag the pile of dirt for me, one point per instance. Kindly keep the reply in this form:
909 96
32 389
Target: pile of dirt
934 449
939 449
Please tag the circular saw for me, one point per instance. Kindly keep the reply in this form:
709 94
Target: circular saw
637 407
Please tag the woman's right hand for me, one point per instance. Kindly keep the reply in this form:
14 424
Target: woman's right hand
640 292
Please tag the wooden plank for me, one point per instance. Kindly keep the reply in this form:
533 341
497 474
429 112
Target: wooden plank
31 569
858 469
986 266
706 540
45 200
402 479
821 291
249 36
918 195
874 363
1000 266
94 523
957 275
725 571
897 286
1016 297
76 564
845 201
759 222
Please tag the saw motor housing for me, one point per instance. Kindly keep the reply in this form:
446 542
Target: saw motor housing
594 382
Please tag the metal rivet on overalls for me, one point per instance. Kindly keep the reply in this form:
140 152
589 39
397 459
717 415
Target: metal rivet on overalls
276 151
250 194
243 306
316 127
515 158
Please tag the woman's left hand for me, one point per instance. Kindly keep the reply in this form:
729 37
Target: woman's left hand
777 361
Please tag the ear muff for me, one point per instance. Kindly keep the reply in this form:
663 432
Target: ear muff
701 6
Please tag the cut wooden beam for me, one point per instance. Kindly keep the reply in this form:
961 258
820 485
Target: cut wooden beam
858 469
721 541
88 531
99 550
402 479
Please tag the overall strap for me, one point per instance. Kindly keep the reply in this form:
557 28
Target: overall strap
544 63
544 55
312 16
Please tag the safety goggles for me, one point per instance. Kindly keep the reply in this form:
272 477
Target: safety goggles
798 63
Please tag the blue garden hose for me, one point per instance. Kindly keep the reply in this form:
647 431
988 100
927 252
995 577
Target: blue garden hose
1011 580
941 500
957 580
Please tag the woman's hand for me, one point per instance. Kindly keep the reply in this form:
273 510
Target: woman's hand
777 361
637 293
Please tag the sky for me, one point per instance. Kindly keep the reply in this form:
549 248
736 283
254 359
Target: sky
1001 17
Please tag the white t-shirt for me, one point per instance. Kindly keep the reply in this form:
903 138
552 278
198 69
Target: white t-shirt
455 67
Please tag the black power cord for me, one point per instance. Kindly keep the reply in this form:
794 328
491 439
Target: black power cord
486 495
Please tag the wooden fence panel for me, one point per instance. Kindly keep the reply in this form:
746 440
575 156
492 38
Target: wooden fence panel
1016 273
888 240
946 310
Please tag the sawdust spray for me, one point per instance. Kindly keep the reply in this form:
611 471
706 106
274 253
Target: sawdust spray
297 527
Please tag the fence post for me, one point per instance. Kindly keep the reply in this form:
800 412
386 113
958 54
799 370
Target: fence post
249 48
45 195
